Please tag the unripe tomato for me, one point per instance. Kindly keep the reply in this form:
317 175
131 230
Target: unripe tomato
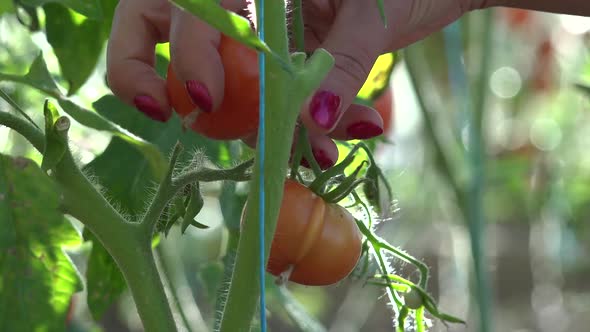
413 299
320 241
237 116
384 105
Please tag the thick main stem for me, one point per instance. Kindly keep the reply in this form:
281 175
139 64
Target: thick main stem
244 288
144 282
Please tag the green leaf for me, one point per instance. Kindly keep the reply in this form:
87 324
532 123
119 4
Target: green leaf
6 6
16 107
55 139
77 43
108 10
229 23
104 280
37 279
157 162
583 88
37 77
194 206
88 8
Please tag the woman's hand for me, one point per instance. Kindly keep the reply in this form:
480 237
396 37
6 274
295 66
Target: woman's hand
351 30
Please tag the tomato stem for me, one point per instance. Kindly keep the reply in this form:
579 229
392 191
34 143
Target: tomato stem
284 97
298 154
347 186
308 153
321 180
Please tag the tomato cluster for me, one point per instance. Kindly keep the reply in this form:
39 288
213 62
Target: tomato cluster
315 243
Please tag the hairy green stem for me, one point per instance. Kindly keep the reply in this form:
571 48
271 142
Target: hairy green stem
244 287
130 249
284 96
26 129
298 28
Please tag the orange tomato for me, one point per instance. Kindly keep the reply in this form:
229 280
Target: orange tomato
320 242
237 116
384 105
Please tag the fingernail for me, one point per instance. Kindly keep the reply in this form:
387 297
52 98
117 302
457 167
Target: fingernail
150 107
363 130
200 95
324 108
321 157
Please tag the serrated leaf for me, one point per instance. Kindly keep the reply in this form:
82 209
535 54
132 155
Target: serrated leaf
104 280
379 76
228 22
37 77
77 43
37 279
88 8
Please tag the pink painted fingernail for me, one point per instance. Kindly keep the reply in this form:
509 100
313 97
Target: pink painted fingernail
324 109
150 107
363 130
321 157
200 95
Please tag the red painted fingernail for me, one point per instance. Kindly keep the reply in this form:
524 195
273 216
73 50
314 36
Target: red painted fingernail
321 157
200 95
363 130
324 108
150 107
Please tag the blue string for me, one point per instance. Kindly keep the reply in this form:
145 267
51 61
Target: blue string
261 147
457 74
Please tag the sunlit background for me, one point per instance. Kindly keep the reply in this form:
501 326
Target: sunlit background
537 182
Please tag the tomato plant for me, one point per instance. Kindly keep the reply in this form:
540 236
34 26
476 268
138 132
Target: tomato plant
316 242
237 116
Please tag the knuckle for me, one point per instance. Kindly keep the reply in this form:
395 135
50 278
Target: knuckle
355 66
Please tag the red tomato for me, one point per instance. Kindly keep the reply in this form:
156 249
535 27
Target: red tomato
543 76
384 105
320 241
237 116
517 17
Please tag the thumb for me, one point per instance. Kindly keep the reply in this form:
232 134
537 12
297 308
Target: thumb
355 48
